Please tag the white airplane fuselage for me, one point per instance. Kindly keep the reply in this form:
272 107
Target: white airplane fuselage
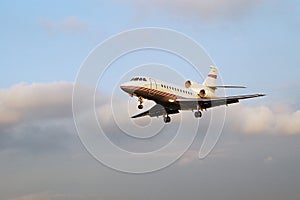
163 92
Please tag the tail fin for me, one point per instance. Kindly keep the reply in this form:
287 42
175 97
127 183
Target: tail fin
211 78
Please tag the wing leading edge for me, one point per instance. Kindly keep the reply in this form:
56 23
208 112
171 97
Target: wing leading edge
155 111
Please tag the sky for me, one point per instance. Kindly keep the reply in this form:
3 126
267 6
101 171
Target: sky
253 43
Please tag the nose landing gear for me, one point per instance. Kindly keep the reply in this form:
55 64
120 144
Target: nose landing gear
167 119
141 102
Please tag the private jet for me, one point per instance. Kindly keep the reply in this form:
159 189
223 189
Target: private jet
171 98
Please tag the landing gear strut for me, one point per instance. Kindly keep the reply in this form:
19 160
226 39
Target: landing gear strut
141 102
167 119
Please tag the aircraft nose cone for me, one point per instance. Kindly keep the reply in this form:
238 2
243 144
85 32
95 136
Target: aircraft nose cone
125 87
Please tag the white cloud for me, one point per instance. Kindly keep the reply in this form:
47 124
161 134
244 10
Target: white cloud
48 196
73 24
193 156
44 196
188 157
199 9
254 120
288 123
268 159
68 24
37 100
262 119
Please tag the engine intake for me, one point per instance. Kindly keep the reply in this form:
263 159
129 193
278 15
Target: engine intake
202 93
192 85
188 84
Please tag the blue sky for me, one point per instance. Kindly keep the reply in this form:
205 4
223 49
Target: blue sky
263 39
253 42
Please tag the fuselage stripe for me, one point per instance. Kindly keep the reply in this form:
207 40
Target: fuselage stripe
155 91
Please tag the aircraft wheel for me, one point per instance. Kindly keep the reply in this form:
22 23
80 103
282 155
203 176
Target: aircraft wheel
140 106
167 119
198 114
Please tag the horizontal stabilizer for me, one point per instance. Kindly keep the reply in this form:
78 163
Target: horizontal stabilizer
225 86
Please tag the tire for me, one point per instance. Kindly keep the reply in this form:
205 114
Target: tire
198 114
167 119
140 106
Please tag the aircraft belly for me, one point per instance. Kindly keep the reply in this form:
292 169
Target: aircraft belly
153 94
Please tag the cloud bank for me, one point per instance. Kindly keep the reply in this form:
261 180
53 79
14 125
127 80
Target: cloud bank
25 102
46 156
263 119
48 196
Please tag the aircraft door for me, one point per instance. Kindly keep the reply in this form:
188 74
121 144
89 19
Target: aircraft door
153 86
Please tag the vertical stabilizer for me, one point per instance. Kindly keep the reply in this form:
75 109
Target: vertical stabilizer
212 76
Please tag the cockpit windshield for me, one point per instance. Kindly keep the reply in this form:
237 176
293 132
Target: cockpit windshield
138 79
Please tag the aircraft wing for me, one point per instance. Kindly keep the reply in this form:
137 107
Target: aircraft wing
155 111
141 114
212 102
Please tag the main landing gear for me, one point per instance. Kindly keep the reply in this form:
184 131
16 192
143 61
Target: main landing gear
141 102
198 114
167 119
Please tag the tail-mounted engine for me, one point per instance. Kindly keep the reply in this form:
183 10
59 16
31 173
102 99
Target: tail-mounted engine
192 85
197 88
202 93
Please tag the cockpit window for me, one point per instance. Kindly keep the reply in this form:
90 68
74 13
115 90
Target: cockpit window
138 79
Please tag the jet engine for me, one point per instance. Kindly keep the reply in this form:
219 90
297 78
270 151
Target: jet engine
192 85
202 92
